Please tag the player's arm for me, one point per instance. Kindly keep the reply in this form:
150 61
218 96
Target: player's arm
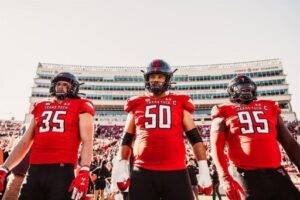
199 150
128 137
21 149
120 173
86 128
217 139
290 145
79 185
194 136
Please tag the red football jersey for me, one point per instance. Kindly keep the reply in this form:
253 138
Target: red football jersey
251 133
159 143
57 138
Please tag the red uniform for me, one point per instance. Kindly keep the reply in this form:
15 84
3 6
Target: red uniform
251 133
159 143
56 138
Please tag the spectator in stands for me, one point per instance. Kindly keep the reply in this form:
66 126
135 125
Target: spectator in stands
102 175
215 182
251 129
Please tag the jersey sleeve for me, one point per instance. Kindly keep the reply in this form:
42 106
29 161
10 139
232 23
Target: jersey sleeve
87 106
216 111
277 108
35 107
131 104
188 103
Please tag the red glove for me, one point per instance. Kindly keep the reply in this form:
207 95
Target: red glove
232 189
122 175
3 177
204 180
205 190
80 184
123 185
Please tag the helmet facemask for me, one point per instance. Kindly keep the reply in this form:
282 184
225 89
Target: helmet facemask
61 94
157 87
244 93
72 91
242 90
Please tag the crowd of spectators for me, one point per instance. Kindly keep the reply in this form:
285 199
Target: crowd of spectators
9 127
106 142
9 131
108 132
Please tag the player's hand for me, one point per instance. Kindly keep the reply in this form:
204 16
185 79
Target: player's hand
3 178
205 191
80 184
204 179
232 189
122 175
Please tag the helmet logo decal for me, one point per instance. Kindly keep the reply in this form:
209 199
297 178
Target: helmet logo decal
156 65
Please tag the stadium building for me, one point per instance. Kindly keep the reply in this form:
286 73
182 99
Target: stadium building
110 86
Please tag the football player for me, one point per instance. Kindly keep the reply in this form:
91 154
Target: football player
155 129
251 129
58 127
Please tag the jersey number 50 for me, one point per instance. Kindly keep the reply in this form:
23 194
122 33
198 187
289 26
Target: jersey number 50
163 116
253 122
54 117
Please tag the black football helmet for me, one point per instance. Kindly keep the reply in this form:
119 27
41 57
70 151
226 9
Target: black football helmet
242 89
68 77
158 66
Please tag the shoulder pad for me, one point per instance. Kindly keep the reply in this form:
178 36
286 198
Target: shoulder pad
186 102
266 101
38 103
44 100
132 102
86 100
217 111
272 103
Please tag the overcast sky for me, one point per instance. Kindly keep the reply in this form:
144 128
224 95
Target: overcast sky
132 32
